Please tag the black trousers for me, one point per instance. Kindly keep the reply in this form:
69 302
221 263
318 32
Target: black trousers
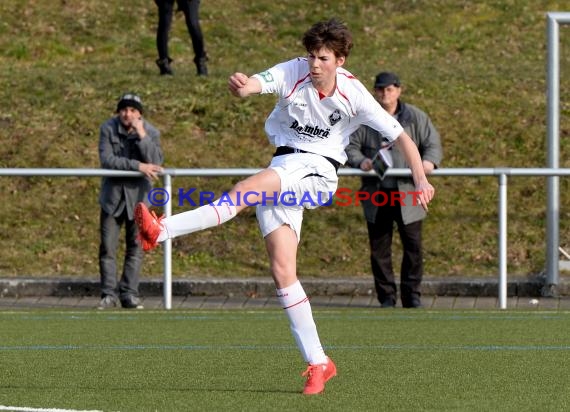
190 8
110 228
380 238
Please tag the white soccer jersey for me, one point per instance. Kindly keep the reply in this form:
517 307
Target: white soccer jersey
303 120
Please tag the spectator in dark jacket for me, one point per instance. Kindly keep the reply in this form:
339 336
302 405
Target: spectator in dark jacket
126 142
407 214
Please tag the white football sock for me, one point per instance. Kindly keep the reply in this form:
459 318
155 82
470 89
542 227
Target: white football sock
298 309
198 219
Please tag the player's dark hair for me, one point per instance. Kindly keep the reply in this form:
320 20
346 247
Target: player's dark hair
331 34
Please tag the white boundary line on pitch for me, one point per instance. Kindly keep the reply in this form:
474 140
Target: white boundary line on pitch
26 409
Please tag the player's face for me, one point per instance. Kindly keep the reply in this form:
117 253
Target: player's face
322 66
127 115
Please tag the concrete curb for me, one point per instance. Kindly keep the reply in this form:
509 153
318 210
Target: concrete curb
258 287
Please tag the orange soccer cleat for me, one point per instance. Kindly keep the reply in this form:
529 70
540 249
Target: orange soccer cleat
317 376
149 226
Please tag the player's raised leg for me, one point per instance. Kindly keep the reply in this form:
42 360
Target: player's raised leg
154 229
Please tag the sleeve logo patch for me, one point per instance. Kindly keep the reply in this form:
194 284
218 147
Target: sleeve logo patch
267 77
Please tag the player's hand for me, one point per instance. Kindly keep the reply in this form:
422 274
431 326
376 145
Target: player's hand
426 194
236 82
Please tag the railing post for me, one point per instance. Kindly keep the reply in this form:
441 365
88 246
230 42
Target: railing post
502 241
167 246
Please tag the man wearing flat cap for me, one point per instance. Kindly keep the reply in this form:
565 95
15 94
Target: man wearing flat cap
126 142
407 214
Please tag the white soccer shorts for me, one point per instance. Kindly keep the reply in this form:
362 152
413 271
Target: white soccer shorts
307 182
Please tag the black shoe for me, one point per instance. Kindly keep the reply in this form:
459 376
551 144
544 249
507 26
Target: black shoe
164 66
413 303
131 302
388 303
201 66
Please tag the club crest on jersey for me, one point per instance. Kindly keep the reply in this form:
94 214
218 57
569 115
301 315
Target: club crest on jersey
335 117
310 131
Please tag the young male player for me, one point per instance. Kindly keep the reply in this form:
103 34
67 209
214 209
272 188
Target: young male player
319 105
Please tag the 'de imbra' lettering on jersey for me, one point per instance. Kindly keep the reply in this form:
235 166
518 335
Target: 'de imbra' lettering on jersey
308 130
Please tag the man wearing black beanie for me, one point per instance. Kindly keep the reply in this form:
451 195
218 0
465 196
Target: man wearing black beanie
126 142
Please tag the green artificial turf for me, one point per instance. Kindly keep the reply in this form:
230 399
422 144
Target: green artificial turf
397 360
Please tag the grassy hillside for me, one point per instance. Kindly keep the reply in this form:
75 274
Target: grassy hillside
477 67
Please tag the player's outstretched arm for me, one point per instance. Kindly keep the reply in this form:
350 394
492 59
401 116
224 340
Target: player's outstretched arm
241 85
412 155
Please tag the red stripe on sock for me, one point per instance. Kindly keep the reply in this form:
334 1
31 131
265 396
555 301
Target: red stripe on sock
298 303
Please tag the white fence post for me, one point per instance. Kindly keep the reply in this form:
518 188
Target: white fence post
502 241
167 246
553 19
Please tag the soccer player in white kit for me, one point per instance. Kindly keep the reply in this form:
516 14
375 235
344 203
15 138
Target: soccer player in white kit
320 104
